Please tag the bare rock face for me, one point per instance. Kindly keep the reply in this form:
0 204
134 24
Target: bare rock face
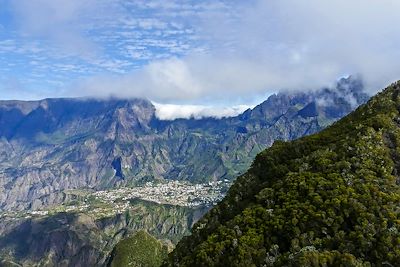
52 145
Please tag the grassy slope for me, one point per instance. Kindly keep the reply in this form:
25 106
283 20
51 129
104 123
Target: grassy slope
141 250
329 199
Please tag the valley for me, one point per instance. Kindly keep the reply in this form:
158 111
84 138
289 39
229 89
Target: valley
50 146
94 222
85 174
87 237
199 133
110 202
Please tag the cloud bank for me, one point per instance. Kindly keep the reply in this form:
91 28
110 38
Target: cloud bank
62 22
172 112
200 54
264 46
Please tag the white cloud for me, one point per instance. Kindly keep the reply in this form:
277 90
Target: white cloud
172 112
156 81
211 51
263 46
63 22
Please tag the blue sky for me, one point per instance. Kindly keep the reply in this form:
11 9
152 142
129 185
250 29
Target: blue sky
44 45
197 52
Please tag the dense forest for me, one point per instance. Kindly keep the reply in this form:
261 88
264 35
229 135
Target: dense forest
139 250
330 199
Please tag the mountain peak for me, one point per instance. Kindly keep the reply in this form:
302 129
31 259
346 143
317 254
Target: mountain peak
329 103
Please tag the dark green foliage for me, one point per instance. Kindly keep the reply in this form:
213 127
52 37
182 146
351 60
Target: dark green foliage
325 258
140 250
330 199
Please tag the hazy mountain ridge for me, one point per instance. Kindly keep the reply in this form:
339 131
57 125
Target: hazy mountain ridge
56 144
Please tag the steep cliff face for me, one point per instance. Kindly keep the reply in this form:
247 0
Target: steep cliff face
77 239
329 199
56 144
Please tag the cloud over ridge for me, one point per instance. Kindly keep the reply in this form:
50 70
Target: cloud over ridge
272 45
211 52
172 112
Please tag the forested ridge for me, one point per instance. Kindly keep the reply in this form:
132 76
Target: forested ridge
329 199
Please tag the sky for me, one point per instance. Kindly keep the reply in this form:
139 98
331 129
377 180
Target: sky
212 56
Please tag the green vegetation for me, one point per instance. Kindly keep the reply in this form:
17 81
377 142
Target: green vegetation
140 250
330 199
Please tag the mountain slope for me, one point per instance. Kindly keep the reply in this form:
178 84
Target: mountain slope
329 199
86 239
139 250
52 145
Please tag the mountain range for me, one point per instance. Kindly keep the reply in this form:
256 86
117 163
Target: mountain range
53 145
69 169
